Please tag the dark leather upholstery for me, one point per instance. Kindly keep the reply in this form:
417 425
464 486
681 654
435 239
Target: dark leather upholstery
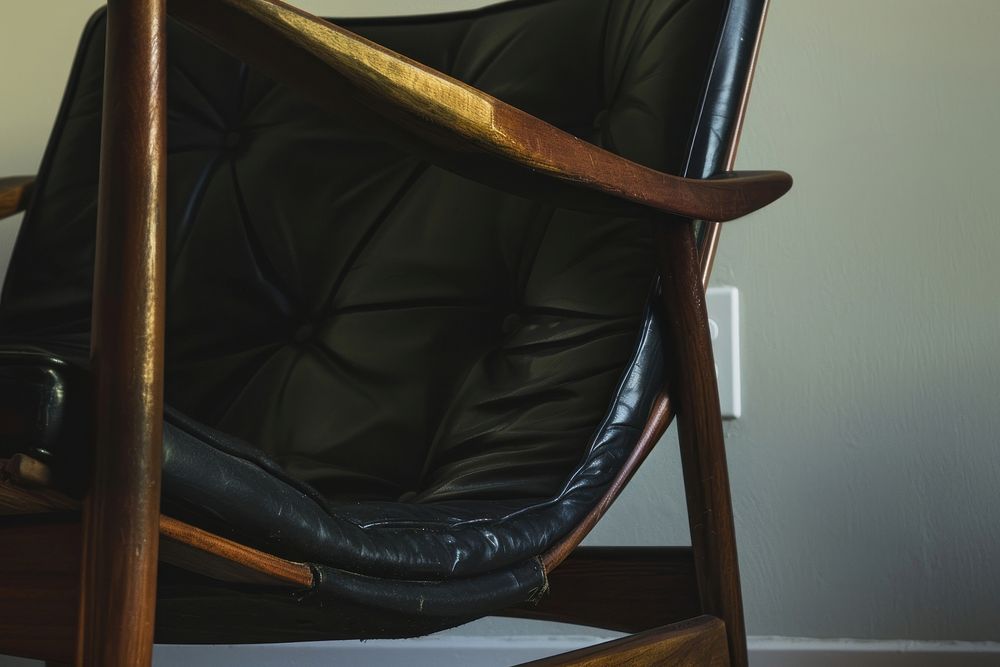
376 365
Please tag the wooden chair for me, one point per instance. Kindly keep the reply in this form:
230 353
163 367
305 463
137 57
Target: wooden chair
417 338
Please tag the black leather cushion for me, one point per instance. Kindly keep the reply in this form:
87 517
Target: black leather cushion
429 360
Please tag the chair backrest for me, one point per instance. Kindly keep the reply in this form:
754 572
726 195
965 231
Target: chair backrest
383 328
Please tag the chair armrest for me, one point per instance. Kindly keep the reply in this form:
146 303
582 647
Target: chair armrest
15 191
456 125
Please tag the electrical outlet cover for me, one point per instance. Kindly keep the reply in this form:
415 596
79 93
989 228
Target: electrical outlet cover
724 322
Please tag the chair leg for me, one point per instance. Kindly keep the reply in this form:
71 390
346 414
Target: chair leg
121 536
700 642
695 392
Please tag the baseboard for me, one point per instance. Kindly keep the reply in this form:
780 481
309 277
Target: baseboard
796 652
447 651
455 651
452 651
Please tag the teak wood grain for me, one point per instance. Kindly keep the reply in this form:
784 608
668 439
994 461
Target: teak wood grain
703 456
199 551
454 124
628 589
16 501
121 536
699 642
15 192
39 587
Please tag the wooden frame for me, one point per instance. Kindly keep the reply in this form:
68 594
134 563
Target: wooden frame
458 127
118 589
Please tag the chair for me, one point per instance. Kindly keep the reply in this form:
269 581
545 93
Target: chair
416 339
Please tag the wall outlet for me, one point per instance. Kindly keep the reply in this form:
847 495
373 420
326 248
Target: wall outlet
724 322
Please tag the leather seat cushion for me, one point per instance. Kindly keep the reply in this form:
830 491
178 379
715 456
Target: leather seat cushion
227 485
410 346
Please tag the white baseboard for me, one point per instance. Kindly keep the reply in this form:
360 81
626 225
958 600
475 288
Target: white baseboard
455 651
796 652
452 651
447 651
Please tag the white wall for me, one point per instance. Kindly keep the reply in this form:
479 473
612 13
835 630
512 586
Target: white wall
865 467
866 470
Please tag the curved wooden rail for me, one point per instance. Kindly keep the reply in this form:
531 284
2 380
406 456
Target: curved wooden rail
454 124
182 544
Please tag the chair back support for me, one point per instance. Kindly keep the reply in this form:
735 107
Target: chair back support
382 328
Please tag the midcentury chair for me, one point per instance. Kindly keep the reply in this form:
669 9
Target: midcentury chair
417 339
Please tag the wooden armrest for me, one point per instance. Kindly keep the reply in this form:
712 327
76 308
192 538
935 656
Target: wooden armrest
455 125
15 191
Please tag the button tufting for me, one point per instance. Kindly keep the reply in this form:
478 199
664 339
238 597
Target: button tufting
232 139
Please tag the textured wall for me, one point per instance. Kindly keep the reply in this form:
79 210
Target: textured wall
865 467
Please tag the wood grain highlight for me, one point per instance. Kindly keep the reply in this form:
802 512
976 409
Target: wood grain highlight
455 125
16 501
199 551
121 536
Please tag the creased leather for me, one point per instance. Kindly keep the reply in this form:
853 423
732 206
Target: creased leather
376 365
209 473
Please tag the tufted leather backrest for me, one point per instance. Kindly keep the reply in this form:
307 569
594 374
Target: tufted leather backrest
382 328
